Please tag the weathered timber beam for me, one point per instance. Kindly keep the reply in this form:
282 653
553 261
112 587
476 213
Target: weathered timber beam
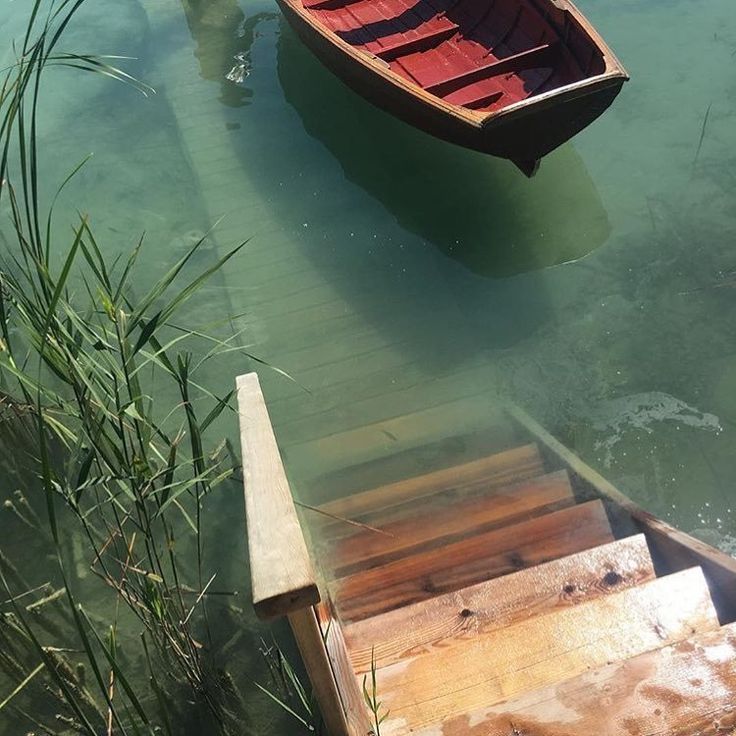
282 577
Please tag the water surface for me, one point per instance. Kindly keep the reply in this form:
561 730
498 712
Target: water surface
388 272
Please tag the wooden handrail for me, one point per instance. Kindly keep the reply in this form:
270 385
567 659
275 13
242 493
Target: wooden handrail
282 577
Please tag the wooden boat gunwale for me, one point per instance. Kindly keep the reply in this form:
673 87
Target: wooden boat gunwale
614 71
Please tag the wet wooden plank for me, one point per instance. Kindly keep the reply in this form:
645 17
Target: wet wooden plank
348 686
504 467
361 444
442 518
493 667
311 645
455 450
494 604
471 561
674 549
281 571
684 689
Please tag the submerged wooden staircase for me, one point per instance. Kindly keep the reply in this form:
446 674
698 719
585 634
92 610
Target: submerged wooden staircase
515 593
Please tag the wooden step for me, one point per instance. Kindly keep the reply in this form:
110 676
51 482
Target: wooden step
502 468
395 466
394 434
437 623
544 650
685 689
348 686
482 557
443 518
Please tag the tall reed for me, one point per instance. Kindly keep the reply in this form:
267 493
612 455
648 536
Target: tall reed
83 364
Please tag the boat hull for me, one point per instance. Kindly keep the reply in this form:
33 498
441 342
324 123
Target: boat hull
523 135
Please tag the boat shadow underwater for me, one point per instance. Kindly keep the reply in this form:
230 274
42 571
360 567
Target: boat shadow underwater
478 210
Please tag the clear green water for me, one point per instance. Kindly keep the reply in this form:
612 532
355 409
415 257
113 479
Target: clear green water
388 272
382 261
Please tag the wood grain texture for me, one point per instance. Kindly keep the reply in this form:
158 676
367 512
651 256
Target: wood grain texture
348 686
681 690
426 458
505 467
675 549
529 128
482 557
459 616
311 645
505 663
441 519
394 434
281 572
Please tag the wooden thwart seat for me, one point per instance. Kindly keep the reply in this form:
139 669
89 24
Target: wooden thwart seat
419 42
488 668
542 55
327 4
481 557
494 604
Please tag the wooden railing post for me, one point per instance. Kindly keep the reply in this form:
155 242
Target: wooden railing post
282 577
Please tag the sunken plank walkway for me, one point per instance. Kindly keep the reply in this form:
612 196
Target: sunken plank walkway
365 344
495 596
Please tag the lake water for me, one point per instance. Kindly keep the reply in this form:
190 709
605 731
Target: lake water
388 272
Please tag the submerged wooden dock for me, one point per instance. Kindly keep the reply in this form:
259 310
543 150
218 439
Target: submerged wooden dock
515 593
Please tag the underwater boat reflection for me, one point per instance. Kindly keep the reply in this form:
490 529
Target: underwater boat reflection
477 210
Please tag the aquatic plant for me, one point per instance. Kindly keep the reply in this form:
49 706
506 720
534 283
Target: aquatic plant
370 696
82 364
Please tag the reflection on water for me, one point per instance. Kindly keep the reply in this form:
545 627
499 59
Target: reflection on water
223 37
472 207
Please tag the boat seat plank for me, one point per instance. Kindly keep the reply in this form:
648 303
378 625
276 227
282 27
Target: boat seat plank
680 690
441 519
532 654
482 557
494 604
420 42
543 55
503 468
327 4
474 99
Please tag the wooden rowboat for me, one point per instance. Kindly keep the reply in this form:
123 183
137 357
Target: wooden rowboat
512 78
516 593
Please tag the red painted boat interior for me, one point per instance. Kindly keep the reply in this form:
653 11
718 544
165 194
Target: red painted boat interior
479 54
